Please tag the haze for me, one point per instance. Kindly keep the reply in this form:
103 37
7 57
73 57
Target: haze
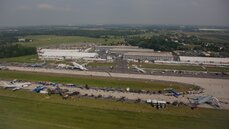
64 12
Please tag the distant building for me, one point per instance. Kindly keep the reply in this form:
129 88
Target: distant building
106 48
150 56
204 60
60 54
126 50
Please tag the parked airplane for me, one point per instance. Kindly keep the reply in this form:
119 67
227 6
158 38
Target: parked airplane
16 86
64 66
73 66
3 67
139 69
173 92
36 64
78 66
38 89
204 99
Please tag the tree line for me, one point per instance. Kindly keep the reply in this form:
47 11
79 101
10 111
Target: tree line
15 50
68 32
157 43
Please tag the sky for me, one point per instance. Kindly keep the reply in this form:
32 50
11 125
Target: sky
78 12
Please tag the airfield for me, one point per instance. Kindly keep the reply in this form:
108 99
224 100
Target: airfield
214 87
87 110
100 87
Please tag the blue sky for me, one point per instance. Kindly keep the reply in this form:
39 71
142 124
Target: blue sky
59 12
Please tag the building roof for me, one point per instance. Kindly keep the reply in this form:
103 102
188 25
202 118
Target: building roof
103 46
158 54
203 59
59 50
66 53
131 50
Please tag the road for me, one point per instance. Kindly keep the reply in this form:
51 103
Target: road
215 87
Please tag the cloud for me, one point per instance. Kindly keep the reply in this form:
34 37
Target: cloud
52 7
24 7
46 7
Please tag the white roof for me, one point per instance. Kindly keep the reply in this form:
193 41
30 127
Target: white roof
59 50
203 59
131 50
65 53
159 54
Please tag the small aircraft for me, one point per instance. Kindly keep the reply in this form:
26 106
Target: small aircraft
173 92
195 101
139 69
38 89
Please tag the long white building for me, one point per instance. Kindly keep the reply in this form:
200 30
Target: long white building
62 54
204 60
150 56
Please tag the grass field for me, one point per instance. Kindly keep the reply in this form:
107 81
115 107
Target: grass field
45 40
27 110
94 81
182 67
22 59
218 38
98 64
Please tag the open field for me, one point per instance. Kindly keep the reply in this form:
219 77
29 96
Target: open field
94 81
44 40
218 38
22 59
29 110
182 67
98 64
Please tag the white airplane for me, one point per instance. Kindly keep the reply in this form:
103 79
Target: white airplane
16 86
37 64
78 66
139 69
64 66
3 67
204 99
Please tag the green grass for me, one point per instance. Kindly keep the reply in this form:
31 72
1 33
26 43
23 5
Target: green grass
94 81
181 67
217 69
22 59
170 67
27 110
217 38
45 40
99 64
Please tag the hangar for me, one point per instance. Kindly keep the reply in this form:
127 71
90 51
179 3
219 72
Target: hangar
62 54
150 56
204 60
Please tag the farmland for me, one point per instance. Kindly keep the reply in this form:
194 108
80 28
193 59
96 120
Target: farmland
45 40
